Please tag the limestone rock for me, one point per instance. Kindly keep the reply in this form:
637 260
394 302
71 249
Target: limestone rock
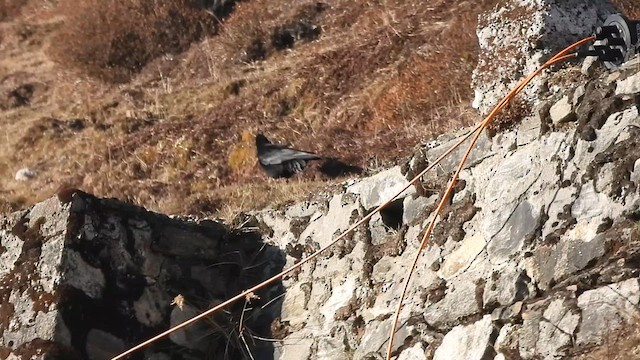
90 277
377 189
413 353
562 111
548 334
475 338
518 36
628 86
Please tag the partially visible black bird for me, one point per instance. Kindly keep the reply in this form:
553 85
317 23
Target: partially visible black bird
279 161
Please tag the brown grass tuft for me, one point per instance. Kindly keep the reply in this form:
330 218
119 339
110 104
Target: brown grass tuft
114 39
242 155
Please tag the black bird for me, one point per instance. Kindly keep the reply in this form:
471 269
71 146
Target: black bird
279 161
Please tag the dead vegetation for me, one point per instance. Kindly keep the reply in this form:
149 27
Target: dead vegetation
362 81
112 40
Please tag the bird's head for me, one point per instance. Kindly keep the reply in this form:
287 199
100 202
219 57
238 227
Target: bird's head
262 140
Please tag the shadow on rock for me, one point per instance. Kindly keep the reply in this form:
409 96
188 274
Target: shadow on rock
121 274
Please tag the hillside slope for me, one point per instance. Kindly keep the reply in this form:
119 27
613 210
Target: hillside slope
362 81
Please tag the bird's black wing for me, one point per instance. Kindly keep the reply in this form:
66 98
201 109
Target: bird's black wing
274 155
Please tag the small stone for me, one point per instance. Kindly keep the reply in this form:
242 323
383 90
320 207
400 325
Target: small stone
507 340
416 208
507 313
572 288
635 175
462 257
562 111
578 94
25 174
506 287
613 77
589 65
413 353
196 336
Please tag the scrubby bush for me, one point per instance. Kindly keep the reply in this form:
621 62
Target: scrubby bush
114 39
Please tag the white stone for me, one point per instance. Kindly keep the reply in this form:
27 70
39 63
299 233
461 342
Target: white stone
635 175
510 30
340 296
589 65
379 188
25 174
468 342
376 337
415 352
561 111
295 346
337 220
578 93
293 306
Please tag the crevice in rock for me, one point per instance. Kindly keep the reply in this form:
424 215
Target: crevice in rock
392 214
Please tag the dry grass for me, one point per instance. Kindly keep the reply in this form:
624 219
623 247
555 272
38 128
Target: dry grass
631 8
362 81
114 39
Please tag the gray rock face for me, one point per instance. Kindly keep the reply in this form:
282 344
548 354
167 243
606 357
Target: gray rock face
545 333
543 215
528 32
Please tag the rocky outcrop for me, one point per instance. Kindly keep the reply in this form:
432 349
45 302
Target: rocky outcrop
85 278
534 258
519 36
